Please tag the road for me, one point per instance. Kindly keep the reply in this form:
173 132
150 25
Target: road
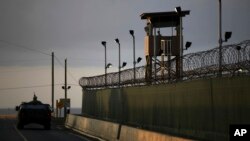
34 132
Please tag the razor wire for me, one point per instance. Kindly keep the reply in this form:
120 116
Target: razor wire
235 60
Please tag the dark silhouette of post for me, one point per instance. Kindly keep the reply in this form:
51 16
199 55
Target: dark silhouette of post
119 61
105 61
53 82
65 89
220 40
132 34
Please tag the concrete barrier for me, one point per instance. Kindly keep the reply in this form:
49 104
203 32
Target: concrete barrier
101 129
109 131
135 134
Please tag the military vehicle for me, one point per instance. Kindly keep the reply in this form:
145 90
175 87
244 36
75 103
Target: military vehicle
34 112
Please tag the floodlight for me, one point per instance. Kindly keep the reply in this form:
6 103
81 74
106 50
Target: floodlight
178 9
124 64
139 59
188 45
227 35
117 41
109 65
131 32
238 48
104 43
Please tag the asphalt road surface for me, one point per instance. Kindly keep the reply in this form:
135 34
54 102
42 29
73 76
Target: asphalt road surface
34 132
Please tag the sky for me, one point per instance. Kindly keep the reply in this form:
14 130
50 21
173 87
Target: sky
31 29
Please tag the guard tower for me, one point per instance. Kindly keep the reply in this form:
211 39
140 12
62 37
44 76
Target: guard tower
157 45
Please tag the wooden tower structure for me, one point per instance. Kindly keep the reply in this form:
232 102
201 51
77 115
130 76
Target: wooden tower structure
157 45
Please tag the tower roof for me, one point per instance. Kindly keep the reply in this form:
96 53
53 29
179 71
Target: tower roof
164 19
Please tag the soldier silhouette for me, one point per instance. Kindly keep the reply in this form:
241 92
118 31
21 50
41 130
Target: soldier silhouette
35 101
34 97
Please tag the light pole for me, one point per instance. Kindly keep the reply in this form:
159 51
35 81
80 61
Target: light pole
52 80
105 60
119 60
132 34
109 65
227 36
178 11
65 87
238 64
220 40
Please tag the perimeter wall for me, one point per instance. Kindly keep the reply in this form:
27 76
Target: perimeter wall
198 109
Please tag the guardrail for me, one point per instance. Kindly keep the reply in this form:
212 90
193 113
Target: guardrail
235 60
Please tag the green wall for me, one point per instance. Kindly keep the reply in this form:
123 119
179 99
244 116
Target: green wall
200 109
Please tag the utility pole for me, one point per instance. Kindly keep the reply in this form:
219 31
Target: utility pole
53 82
65 88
